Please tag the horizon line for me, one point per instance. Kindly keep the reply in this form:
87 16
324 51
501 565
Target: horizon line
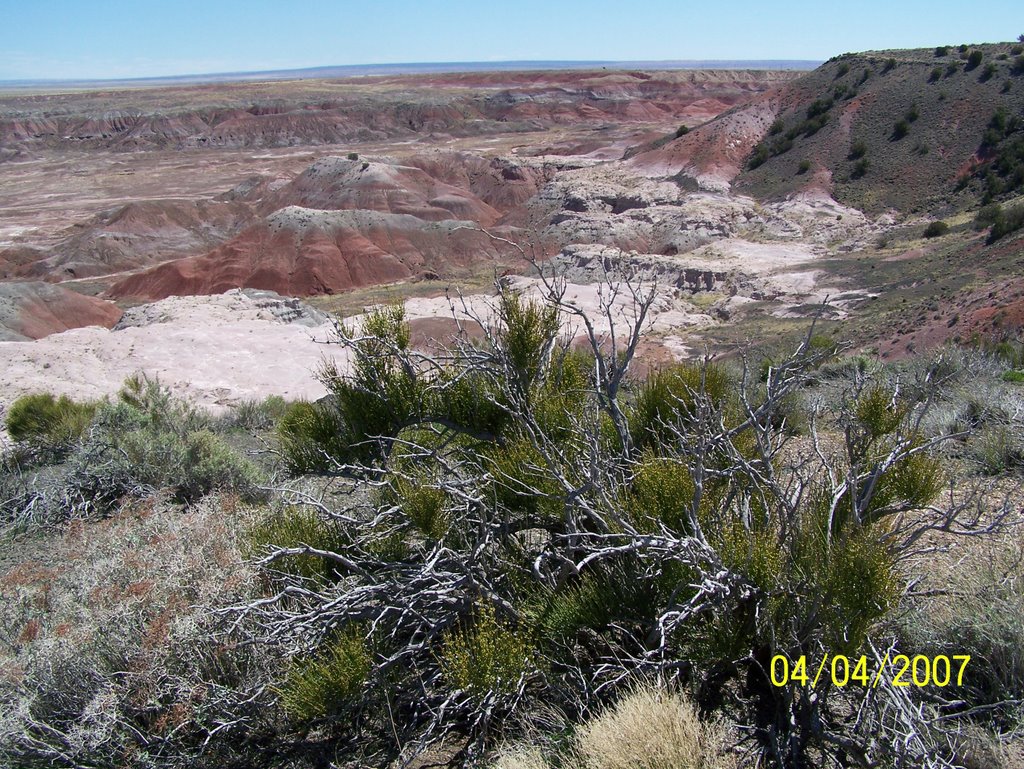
439 67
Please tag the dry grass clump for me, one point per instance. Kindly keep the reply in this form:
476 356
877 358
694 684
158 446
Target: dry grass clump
979 612
649 728
521 757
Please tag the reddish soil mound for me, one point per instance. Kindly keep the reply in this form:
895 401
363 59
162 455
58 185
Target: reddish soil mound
501 183
32 310
128 237
333 183
715 152
300 252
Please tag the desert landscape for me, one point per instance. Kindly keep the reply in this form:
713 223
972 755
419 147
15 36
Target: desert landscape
516 418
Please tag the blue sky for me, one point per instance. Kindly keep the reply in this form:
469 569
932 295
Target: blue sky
144 38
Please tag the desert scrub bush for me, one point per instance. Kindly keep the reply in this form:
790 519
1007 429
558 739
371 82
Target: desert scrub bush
977 610
311 437
997 449
121 654
616 528
255 415
1011 220
974 59
674 396
488 657
48 421
941 50
193 465
325 683
900 129
649 728
141 443
936 229
296 529
423 505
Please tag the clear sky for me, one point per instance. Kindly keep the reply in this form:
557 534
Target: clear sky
144 38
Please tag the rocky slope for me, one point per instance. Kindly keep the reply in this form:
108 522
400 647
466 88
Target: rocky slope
302 251
127 237
32 310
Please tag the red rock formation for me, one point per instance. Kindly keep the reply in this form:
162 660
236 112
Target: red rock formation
715 152
300 252
128 237
32 310
334 183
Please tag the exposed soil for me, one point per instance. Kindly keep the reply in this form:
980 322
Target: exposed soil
350 192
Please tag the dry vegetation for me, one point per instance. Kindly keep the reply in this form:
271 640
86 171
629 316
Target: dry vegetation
533 549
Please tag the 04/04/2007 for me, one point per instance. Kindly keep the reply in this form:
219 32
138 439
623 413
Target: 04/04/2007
919 670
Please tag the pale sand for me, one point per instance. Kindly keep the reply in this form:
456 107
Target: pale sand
216 350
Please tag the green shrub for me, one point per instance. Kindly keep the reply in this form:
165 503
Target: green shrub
860 168
912 114
804 167
520 480
682 131
900 129
487 656
988 73
1010 221
662 492
857 150
311 437
194 464
974 59
424 506
594 602
935 75
672 397
890 64
353 156
987 216
759 156
997 449
952 68
256 415
1016 377
329 683
776 127
941 50
296 527
41 418
936 229
150 404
